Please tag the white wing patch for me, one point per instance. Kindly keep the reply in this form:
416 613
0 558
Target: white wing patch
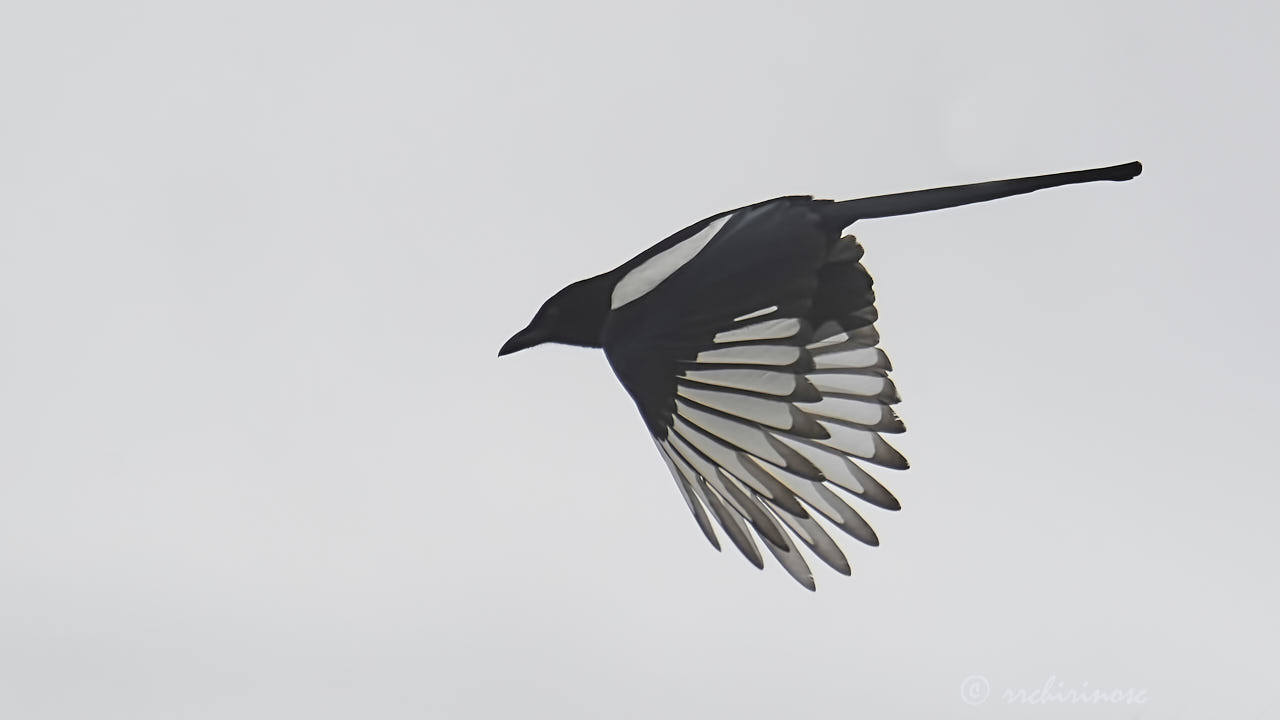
767 330
650 273
749 438
752 355
858 412
849 383
768 382
868 357
764 430
773 413
851 441
759 313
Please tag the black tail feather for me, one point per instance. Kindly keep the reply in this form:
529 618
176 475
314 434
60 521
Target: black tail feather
844 213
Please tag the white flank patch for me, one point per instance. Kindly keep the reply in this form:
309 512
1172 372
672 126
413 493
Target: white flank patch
767 330
650 273
752 355
756 314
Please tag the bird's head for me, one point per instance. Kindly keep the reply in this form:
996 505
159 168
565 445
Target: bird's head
573 316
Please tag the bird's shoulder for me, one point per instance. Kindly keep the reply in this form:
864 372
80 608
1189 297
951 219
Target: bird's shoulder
670 302
743 214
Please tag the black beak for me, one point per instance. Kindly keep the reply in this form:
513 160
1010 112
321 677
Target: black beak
526 338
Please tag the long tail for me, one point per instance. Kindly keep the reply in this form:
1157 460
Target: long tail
924 200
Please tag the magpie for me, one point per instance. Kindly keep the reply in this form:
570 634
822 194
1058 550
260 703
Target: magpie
748 342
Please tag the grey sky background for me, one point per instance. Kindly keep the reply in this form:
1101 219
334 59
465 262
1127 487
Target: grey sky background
259 458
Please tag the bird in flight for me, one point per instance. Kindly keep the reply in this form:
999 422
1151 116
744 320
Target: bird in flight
747 341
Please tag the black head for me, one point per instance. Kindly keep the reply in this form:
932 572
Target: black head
573 316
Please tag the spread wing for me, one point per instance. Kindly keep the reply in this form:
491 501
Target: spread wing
749 347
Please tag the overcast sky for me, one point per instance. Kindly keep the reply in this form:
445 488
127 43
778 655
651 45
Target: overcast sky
259 459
